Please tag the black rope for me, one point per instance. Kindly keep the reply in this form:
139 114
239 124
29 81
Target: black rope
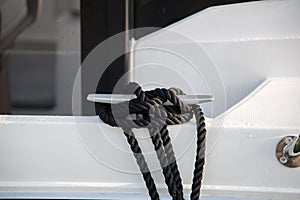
200 153
150 110
140 159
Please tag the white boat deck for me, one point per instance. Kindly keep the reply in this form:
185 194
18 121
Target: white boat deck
80 157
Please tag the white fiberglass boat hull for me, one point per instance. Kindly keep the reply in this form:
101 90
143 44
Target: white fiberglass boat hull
47 156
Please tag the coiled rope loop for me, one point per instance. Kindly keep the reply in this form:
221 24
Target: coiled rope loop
155 110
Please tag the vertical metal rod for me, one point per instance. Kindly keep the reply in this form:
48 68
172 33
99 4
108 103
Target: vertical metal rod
129 40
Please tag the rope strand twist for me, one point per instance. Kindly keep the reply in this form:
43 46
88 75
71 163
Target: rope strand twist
149 110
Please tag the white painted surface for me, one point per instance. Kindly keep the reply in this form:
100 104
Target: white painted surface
54 155
260 20
240 44
276 104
